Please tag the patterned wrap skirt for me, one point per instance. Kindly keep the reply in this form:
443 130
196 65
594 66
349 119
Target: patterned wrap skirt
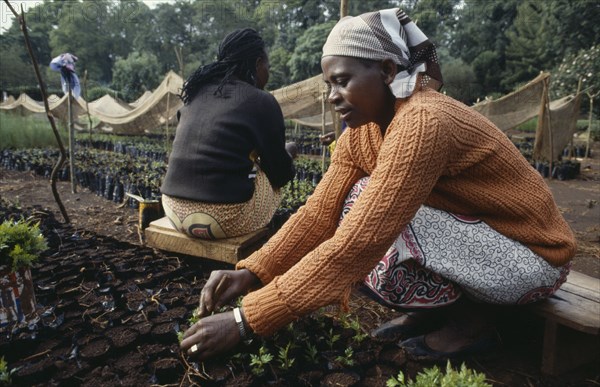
219 221
441 256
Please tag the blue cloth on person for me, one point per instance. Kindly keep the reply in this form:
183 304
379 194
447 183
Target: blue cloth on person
65 63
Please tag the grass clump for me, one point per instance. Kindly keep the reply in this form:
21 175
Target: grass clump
31 131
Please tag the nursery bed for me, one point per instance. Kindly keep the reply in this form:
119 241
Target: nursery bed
110 310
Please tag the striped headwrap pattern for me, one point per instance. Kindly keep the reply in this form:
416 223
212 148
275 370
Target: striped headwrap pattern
388 34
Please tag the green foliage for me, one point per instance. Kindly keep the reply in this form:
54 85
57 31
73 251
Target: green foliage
28 132
5 373
98 92
479 39
503 46
460 81
583 65
435 17
285 361
138 73
531 47
21 242
434 377
346 360
83 29
332 338
305 62
528 126
260 361
311 353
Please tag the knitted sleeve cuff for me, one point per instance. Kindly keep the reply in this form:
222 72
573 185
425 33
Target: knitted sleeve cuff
252 264
265 311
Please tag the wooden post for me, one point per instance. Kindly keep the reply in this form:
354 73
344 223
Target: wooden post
87 106
71 136
335 117
343 8
167 118
571 147
589 131
550 137
179 56
38 75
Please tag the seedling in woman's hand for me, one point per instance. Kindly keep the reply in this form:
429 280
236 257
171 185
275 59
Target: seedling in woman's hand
221 286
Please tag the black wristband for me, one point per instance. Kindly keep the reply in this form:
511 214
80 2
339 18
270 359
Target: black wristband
240 323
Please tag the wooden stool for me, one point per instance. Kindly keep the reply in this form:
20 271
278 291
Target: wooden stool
571 333
161 235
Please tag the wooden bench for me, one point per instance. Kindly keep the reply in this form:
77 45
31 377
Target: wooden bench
161 235
572 324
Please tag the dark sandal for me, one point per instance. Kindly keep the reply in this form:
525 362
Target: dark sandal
408 325
417 349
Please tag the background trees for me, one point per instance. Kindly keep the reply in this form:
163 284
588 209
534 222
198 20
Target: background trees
486 48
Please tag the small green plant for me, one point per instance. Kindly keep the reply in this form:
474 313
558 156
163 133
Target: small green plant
311 353
20 243
434 377
331 338
285 361
5 373
352 323
260 361
346 360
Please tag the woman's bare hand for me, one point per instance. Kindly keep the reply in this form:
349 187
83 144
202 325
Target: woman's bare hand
222 287
211 336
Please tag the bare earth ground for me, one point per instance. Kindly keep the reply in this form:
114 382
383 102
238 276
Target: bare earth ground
515 365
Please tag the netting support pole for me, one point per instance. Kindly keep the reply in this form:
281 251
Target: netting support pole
38 75
549 126
590 116
71 137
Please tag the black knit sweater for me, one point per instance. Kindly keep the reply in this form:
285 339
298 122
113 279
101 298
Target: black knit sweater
216 135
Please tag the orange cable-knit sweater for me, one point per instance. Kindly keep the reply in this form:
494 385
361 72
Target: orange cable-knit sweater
437 152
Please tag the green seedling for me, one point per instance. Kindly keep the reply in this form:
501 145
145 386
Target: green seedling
434 377
331 338
359 334
346 360
260 361
311 353
5 373
285 361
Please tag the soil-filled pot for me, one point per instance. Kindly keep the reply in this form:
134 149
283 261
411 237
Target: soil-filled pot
17 296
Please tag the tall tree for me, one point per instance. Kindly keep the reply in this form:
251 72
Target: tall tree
138 73
480 39
531 47
545 32
83 31
15 65
305 62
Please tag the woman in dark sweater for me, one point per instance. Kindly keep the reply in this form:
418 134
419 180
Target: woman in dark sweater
229 157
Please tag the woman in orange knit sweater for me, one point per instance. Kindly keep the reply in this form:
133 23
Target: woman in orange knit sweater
419 179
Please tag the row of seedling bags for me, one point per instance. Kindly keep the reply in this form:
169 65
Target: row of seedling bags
111 175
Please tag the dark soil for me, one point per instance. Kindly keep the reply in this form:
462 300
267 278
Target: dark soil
109 308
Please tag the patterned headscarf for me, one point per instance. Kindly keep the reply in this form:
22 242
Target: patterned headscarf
387 34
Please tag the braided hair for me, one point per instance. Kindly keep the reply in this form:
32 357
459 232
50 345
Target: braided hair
237 56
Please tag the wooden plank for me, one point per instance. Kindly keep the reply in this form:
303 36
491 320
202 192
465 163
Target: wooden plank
583 280
160 234
583 285
565 349
571 310
574 289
